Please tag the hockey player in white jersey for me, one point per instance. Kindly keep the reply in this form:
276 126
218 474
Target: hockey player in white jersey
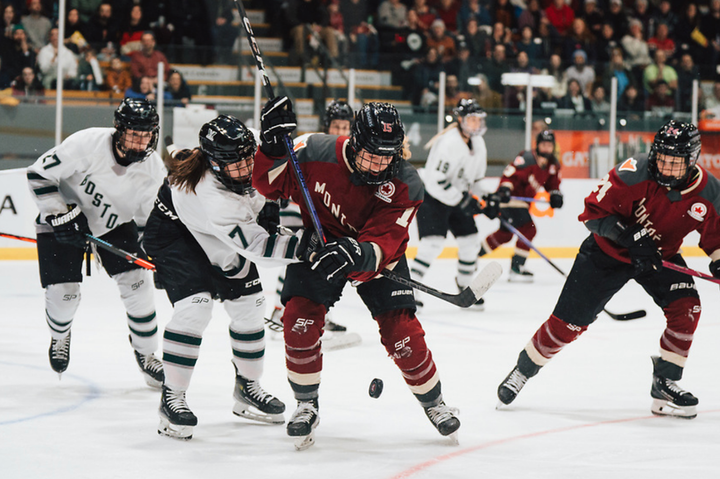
456 163
101 181
204 239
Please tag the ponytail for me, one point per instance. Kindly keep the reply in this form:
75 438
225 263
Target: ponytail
187 168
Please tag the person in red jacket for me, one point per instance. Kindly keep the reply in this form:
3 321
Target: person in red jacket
560 16
366 195
638 216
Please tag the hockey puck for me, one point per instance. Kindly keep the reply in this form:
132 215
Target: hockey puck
376 387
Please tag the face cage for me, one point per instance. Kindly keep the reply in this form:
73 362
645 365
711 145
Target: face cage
480 130
670 181
369 178
135 155
242 185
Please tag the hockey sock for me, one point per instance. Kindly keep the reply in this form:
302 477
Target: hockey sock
682 320
432 397
429 248
138 296
550 338
666 369
307 392
247 334
467 259
61 304
303 322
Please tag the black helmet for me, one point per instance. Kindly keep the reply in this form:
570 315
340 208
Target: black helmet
467 107
225 141
338 110
679 139
136 115
379 131
545 135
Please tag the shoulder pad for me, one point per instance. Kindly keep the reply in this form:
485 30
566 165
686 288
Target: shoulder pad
634 170
711 191
524 160
409 175
320 147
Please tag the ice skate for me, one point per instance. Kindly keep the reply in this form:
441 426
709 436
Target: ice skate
335 336
151 369
252 402
302 424
518 274
59 354
510 387
176 418
444 419
669 399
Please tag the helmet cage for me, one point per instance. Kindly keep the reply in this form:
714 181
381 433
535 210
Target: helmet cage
136 115
378 131
470 108
338 110
675 139
229 146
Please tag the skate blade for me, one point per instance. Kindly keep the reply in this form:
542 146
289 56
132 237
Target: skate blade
304 442
175 431
454 439
152 382
500 405
520 279
243 410
661 407
340 341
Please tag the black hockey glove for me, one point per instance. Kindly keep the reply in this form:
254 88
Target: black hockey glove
556 199
269 217
504 194
715 268
644 255
341 257
469 205
492 206
308 245
276 121
71 227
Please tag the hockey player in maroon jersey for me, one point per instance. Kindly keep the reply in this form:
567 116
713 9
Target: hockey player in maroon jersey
638 214
366 195
530 171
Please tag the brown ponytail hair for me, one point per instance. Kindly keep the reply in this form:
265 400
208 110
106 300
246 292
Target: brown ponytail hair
187 168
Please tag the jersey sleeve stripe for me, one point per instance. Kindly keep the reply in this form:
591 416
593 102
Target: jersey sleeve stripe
292 244
45 190
270 247
35 176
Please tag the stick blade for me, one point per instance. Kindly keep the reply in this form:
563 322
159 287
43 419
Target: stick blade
627 316
479 286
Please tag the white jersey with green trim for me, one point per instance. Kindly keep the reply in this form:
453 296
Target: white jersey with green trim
83 170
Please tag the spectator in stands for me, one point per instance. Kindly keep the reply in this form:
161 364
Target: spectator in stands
454 92
598 102
636 48
618 18
74 32
463 67
27 84
145 88
574 99
224 29
605 45
687 72
427 79
514 96
556 70
191 31
425 14
117 76
475 39
631 104
661 41
441 41
409 48
392 15
47 61
549 38
660 71
9 20
37 25
102 28
447 11
178 88
579 38
500 36
617 69
337 23
489 99
18 54
593 16
528 45
89 74
560 16
687 35
643 13
131 31
303 14
710 29
712 102
504 13
582 72
472 9
145 62
86 8
362 36
531 16
495 66
664 14
661 101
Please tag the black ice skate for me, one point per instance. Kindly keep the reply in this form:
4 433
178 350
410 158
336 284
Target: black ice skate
302 424
334 327
59 354
252 402
151 369
518 273
669 399
510 387
444 420
176 418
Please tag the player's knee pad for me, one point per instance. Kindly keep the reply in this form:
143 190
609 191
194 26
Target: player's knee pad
303 321
61 304
528 230
429 248
246 312
247 334
500 237
682 316
404 340
550 338
191 315
136 291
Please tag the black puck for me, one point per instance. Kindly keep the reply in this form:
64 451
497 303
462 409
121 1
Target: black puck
376 388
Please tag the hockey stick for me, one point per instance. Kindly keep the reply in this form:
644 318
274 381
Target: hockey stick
690 272
466 298
16 237
619 317
528 199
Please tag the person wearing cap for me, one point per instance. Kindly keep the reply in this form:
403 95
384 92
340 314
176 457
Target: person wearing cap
441 41
580 71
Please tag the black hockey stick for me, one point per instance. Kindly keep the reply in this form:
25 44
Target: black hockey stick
466 298
619 317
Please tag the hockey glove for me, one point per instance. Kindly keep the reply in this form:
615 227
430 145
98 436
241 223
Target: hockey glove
492 206
469 205
715 269
269 217
276 121
341 257
504 194
70 228
644 255
556 199
308 245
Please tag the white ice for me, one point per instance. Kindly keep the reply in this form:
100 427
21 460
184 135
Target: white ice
586 415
